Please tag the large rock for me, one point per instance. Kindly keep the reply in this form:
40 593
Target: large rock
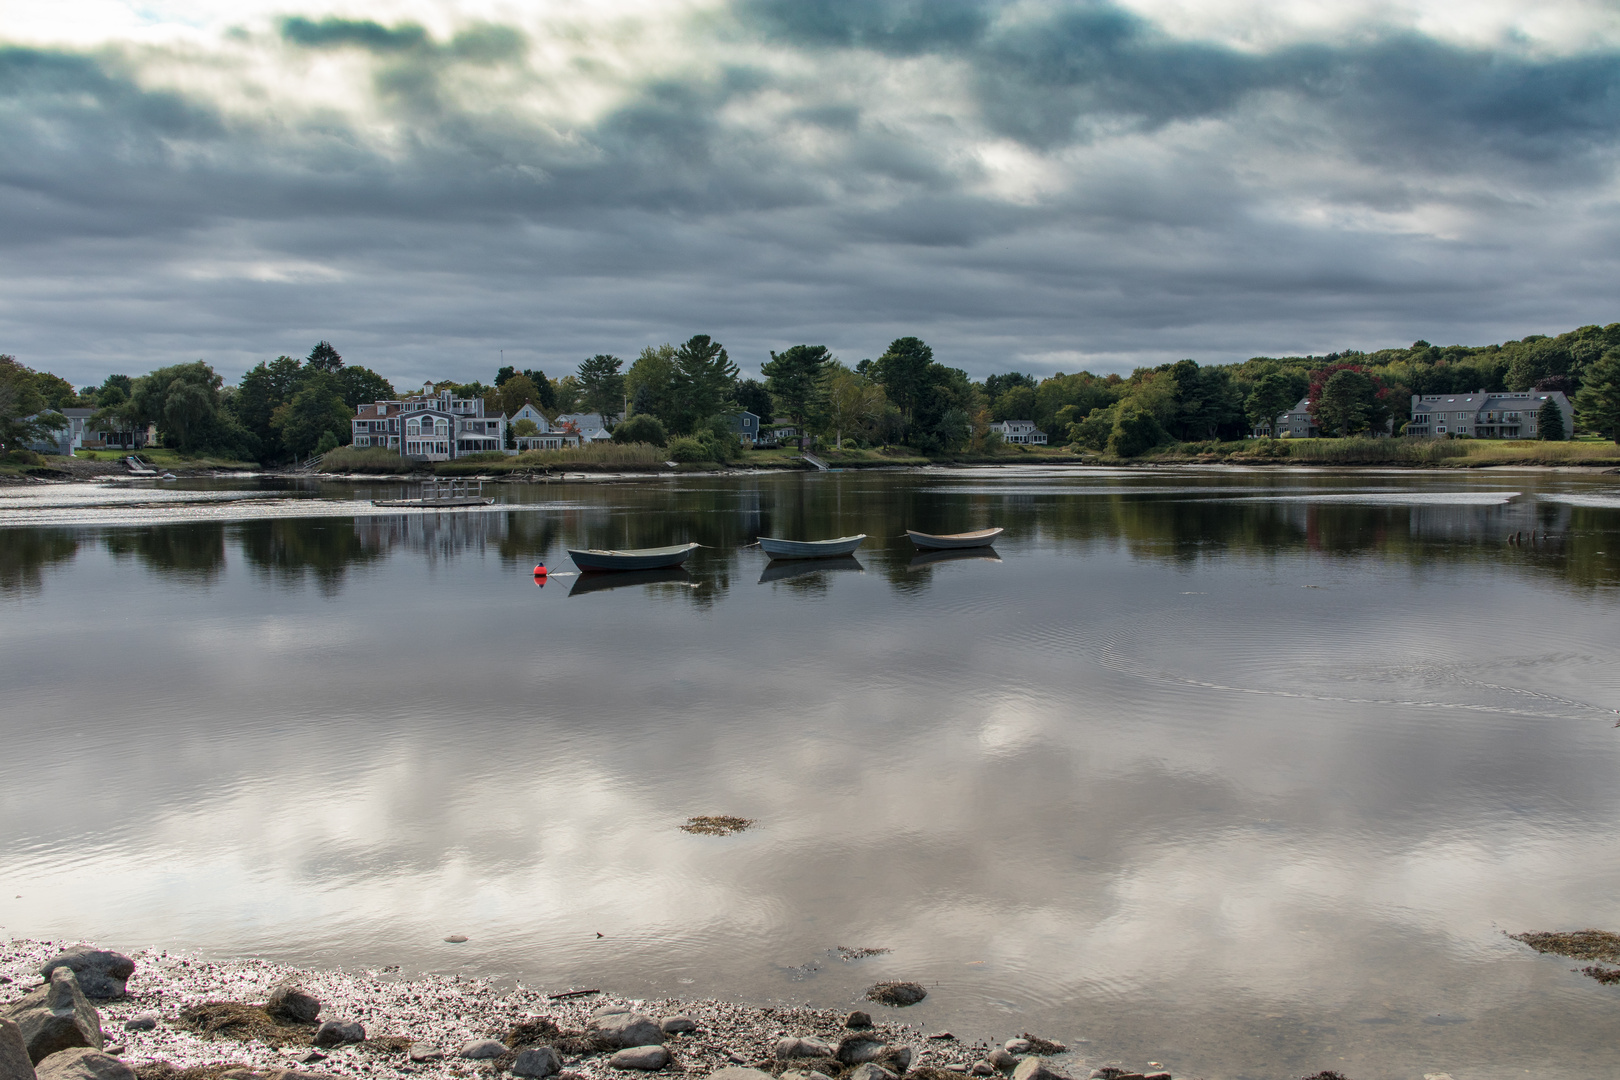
536 1062
1003 1059
14 1063
871 1071
645 1058
859 1049
482 1049
340 1033
679 1024
627 1029
897 1059
292 1003
790 1047
83 1064
146 1021
1033 1068
423 1052
101 974
56 1017
858 1019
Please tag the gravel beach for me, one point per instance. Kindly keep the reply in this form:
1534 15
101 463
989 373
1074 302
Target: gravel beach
447 1013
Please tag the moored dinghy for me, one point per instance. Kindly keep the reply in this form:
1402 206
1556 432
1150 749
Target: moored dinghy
810 549
596 560
946 541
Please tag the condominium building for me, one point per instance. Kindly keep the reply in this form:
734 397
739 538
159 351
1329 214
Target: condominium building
1506 414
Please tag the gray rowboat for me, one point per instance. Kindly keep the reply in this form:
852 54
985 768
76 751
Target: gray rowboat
810 549
942 542
594 560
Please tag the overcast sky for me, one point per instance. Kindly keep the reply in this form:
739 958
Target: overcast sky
1038 185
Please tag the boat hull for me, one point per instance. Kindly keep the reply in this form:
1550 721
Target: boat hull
596 561
810 549
950 541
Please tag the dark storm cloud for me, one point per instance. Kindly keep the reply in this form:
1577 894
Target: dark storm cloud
805 177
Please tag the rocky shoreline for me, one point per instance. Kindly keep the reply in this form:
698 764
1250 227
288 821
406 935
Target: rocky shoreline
81 1013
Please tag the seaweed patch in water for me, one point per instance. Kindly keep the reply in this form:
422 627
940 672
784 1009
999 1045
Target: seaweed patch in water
897 994
1606 976
716 825
1577 945
847 953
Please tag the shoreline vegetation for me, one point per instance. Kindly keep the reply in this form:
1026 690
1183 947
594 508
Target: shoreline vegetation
157 1015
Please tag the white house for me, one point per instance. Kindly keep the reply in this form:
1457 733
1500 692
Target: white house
1022 432
433 427
547 436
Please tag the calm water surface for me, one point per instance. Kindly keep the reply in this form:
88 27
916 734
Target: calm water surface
1244 772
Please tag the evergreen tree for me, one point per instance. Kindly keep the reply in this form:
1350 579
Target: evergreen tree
1550 421
324 358
795 378
705 379
1599 399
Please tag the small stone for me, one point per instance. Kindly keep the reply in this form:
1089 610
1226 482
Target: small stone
1033 1068
943 1036
897 994
677 1025
627 1029
311 1057
791 1047
983 1068
872 1071
858 1019
482 1049
739 1072
1017 1046
1166 1076
645 1058
113 1048
101 974
83 1064
14 1063
456 939
958 1067
422 1051
146 1021
290 1002
56 1017
538 1061
339 1033
1001 1059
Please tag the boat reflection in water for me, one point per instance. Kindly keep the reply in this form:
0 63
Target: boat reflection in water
781 570
928 558
589 583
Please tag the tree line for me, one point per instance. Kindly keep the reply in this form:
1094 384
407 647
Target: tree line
686 395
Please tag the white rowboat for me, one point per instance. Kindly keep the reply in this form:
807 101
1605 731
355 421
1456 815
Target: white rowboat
942 542
810 549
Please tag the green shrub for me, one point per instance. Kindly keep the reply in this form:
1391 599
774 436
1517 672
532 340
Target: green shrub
641 428
1135 433
688 448
327 443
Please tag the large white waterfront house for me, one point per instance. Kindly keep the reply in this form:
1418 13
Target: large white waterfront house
547 436
431 427
1506 414
1021 432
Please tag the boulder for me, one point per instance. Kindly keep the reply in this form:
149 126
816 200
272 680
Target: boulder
791 1047
858 1019
101 974
1033 1068
292 1003
83 1064
481 1049
677 1025
897 1059
858 1049
146 1021
56 1017
1017 1046
1001 1059
646 1058
983 1068
627 1029
421 1052
339 1033
871 1071
539 1061
897 994
14 1063
609 1010
739 1072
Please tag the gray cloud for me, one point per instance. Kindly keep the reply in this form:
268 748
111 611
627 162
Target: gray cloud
1030 186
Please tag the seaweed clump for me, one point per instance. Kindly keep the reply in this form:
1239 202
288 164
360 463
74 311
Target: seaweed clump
237 1020
164 1070
1606 976
847 953
1577 944
1327 1074
535 1031
716 825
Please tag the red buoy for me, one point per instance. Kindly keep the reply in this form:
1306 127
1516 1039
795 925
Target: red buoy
540 571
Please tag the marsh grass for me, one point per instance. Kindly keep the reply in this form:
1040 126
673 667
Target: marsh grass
367 459
1440 453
